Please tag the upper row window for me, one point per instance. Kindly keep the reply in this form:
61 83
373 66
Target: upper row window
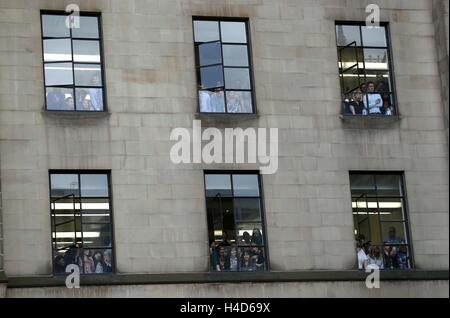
365 70
73 71
223 66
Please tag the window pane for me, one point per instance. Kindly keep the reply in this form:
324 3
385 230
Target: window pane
380 79
212 101
209 53
237 78
235 55
94 185
347 34
211 77
239 102
64 235
253 259
86 51
89 99
233 32
220 220
103 261
59 98
247 210
393 233
389 185
55 26
97 235
249 234
374 36
88 75
88 28
57 50
96 210
376 59
362 185
349 57
58 74
64 184
352 80
218 185
206 31
391 209
245 185
397 257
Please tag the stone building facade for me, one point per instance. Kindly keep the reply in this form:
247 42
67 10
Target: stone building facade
160 223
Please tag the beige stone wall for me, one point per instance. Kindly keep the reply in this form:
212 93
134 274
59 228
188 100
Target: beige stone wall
407 289
159 208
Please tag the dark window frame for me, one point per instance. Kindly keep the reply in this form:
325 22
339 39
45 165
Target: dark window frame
79 172
405 206
265 246
391 69
100 40
248 44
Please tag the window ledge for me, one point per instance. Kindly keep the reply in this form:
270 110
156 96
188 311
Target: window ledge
369 121
205 278
3 278
225 117
75 114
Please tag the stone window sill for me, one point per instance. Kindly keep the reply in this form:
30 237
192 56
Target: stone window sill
205 278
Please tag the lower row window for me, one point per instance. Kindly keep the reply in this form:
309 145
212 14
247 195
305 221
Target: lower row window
80 206
380 219
80 203
235 222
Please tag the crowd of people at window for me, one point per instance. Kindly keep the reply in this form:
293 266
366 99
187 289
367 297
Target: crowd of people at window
89 261
87 99
246 255
392 255
371 98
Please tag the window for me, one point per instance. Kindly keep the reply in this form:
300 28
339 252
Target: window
80 204
235 222
73 71
380 219
223 66
365 70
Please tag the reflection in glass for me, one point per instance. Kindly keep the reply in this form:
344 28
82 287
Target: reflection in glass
247 210
237 78
218 184
94 185
86 51
209 54
55 26
57 50
235 55
64 184
245 185
233 32
362 185
88 28
212 101
393 233
239 102
58 74
254 230
347 34
88 75
211 77
374 36
96 234
376 59
389 185
59 98
206 31
89 99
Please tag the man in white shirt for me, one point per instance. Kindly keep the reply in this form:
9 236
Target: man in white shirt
372 101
